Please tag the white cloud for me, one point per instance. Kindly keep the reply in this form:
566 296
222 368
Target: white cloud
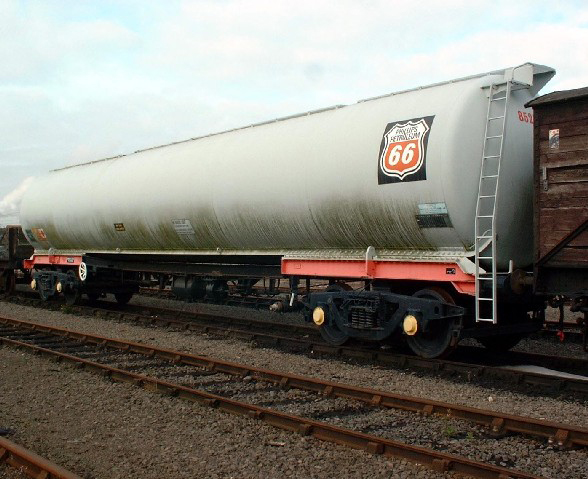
84 80
324 49
37 47
10 204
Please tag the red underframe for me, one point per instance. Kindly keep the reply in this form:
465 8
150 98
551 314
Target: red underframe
434 272
398 270
52 260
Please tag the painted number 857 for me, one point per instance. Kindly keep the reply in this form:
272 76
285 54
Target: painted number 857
525 117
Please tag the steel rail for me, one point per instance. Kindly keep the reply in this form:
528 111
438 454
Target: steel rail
181 317
30 463
573 330
106 305
555 324
561 434
471 370
557 384
251 324
578 364
223 318
137 310
436 460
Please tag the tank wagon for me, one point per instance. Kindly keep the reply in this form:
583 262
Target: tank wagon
422 197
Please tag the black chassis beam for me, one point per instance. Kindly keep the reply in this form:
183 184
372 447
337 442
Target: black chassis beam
182 265
391 310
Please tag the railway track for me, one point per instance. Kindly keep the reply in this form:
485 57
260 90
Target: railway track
292 402
467 363
30 463
284 333
574 331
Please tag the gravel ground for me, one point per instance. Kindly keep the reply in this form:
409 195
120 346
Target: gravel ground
100 429
379 377
7 472
136 411
446 434
110 430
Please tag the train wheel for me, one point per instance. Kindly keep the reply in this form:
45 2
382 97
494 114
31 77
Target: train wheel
438 340
72 295
123 298
333 335
331 332
502 342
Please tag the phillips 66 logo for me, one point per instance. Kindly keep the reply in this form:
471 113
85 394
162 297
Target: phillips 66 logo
403 151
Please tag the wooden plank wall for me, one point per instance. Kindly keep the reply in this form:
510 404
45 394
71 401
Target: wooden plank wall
561 202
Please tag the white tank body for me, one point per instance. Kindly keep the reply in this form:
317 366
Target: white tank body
319 181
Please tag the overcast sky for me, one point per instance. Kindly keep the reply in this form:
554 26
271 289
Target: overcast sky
82 80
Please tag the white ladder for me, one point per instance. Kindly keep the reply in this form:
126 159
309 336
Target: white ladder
485 223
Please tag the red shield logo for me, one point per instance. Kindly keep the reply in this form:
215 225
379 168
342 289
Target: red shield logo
403 149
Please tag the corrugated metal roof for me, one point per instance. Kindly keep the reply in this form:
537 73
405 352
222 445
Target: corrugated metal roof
559 96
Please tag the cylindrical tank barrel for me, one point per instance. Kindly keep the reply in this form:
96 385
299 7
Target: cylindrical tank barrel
398 172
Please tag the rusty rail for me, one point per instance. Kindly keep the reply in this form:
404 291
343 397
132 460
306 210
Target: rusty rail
205 323
471 370
209 322
257 330
498 423
436 460
30 463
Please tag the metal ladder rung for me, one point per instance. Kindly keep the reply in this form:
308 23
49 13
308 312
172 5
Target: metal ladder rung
485 234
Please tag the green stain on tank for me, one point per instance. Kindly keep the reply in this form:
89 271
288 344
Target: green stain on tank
208 233
341 223
252 230
355 224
